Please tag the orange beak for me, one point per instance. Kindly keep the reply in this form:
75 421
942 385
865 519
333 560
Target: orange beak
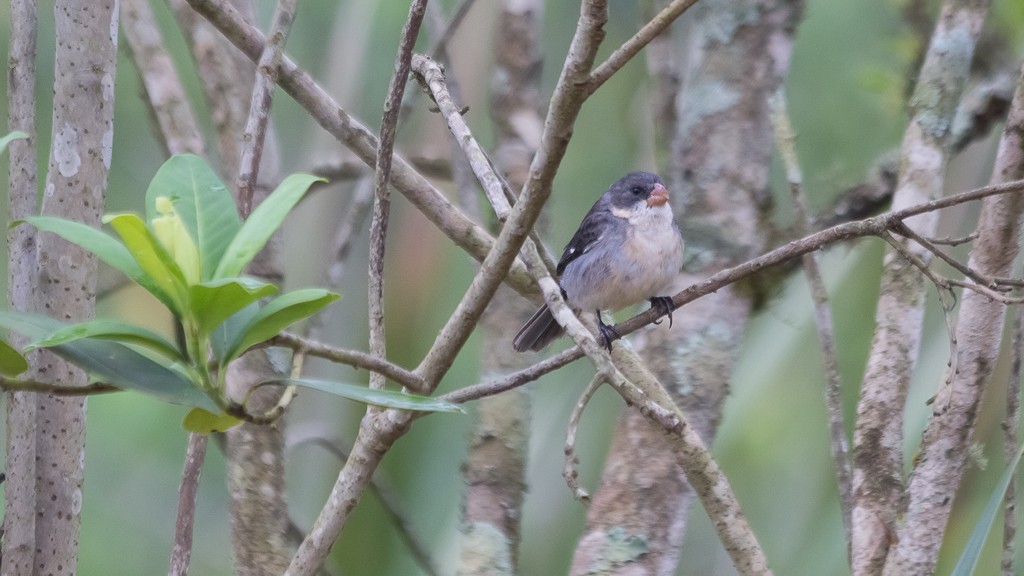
658 197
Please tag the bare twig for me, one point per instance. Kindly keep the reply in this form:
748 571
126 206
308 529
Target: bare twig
571 471
355 214
441 42
950 241
497 190
181 554
308 94
565 105
259 108
10 385
632 47
382 178
785 139
385 494
430 74
350 357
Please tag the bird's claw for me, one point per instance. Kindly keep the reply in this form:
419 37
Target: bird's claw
608 334
665 307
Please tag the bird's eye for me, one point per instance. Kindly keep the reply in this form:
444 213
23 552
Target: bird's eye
637 190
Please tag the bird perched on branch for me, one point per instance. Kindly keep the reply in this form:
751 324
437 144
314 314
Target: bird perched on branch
627 249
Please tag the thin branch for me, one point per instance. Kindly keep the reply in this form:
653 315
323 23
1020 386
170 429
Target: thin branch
566 102
352 358
11 385
513 380
385 495
974 275
950 241
349 226
497 190
181 554
632 47
331 117
259 107
785 140
382 178
570 471
441 43
430 74
947 298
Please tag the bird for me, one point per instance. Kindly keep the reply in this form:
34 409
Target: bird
626 250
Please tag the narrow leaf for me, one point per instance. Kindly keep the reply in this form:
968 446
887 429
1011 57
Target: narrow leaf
108 249
12 362
203 422
203 203
213 302
8 138
972 550
384 398
261 224
114 363
112 330
151 256
278 314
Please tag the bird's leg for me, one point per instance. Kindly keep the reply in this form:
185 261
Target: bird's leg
665 307
607 332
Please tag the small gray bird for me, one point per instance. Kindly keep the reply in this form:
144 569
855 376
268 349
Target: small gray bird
626 250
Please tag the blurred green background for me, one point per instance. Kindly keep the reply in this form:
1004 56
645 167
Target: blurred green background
846 96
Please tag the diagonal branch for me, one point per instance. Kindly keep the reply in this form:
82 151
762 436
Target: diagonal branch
335 120
259 107
632 47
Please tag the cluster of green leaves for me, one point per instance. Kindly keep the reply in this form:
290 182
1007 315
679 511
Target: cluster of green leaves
189 252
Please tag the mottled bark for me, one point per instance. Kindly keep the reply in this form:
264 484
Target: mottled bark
978 335
64 276
719 179
20 466
878 437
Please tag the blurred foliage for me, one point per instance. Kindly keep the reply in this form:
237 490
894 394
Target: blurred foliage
846 94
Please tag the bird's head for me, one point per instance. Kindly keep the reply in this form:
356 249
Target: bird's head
636 192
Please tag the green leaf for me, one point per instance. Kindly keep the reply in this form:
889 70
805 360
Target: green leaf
7 139
203 422
230 330
278 314
112 330
115 363
383 398
152 257
261 224
107 248
213 302
972 550
203 203
12 362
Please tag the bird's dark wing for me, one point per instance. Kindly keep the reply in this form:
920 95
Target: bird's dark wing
588 234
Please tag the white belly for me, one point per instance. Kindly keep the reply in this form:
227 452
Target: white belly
641 267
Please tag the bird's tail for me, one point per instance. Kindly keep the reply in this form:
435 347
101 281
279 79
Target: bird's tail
540 331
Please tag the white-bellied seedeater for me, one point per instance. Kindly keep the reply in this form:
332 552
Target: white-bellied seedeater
627 249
